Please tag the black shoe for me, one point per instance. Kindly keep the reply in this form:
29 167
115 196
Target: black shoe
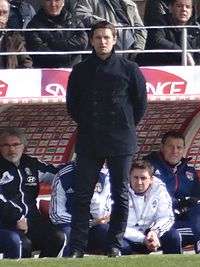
114 252
76 254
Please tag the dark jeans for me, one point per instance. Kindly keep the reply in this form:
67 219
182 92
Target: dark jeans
10 244
170 244
88 169
43 236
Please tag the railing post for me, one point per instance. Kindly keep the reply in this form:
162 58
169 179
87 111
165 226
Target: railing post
184 46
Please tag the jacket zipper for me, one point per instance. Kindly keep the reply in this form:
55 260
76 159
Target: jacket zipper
22 193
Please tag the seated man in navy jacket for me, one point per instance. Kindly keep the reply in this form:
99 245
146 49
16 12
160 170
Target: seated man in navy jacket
182 182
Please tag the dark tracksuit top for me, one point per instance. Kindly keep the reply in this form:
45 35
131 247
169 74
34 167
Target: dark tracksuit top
19 188
181 180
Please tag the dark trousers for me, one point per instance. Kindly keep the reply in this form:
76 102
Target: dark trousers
10 244
189 226
66 229
96 238
43 236
88 169
170 244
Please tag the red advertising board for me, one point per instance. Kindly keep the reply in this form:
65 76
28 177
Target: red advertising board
47 85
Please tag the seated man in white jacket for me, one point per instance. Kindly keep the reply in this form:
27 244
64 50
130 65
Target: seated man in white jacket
150 221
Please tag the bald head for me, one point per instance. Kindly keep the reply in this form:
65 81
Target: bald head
4 13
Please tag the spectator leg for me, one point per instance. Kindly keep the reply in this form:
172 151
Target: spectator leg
171 242
97 239
10 244
194 218
46 237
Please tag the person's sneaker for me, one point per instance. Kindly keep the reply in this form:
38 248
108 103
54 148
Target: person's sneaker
114 252
76 254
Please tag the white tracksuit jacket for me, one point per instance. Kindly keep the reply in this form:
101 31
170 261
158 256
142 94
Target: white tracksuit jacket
62 194
153 210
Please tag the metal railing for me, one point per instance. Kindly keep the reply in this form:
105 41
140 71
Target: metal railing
183 49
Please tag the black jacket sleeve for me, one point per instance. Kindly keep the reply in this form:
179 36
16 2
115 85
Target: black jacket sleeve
72 95
138 94
9 213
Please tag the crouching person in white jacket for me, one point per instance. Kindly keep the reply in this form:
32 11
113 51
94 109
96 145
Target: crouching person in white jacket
150 221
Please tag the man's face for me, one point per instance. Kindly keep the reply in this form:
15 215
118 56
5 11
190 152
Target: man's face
11 149
103 41
4 13
140 180
181 11
53 7
173 150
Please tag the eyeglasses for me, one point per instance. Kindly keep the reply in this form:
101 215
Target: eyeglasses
15 145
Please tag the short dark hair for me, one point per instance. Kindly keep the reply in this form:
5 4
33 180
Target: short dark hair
13 131
171 2
103 24
143 165
172 134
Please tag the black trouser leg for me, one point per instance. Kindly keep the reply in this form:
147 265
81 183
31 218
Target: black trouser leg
119 176
86 179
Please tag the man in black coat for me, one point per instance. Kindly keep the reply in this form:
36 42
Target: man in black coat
106 96
53 14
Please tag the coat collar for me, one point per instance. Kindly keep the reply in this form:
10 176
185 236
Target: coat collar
98 61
